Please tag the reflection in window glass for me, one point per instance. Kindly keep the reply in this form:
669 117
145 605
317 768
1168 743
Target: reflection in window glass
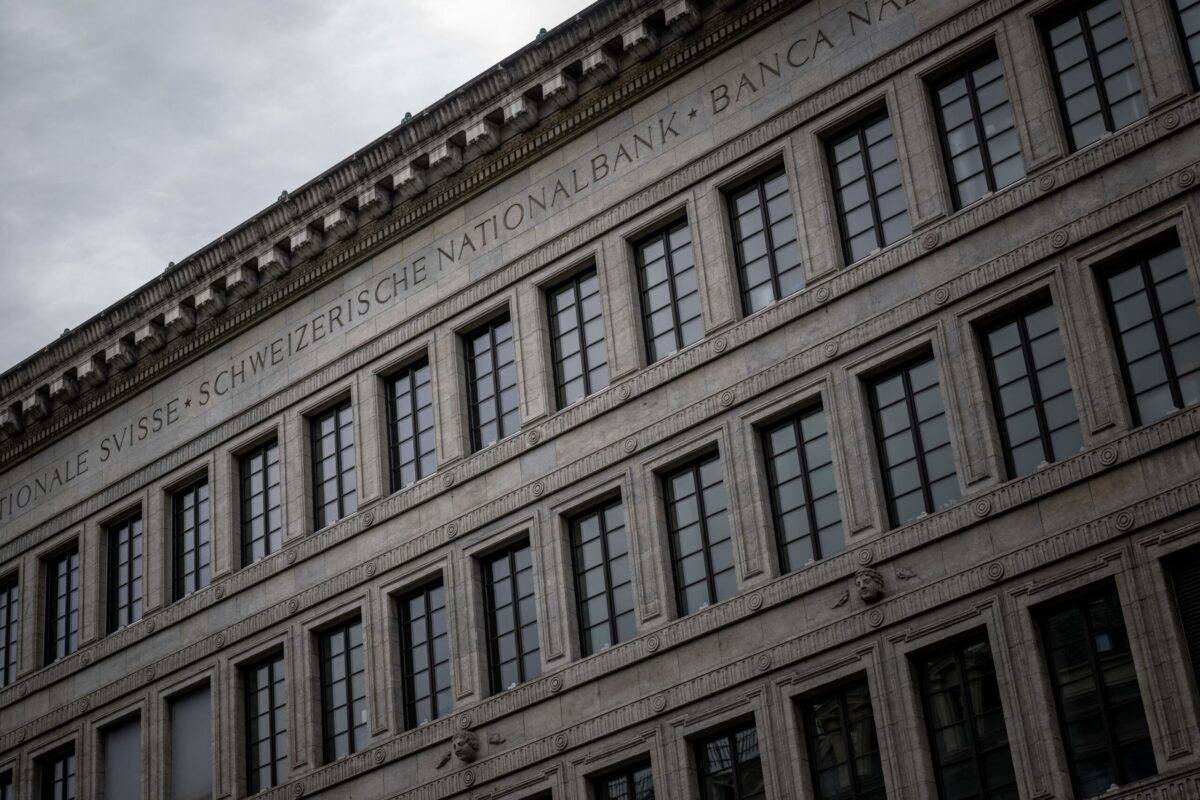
843 748
730 766
121 744
191 746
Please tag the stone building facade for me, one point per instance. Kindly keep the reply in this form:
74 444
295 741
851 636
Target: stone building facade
714 399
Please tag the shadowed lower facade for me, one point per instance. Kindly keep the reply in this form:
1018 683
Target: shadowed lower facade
724 400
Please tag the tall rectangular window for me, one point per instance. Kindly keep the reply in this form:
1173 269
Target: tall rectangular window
10 629
1156 324
730 766
804 500
266 724
1187 15
62 605
978 131
764 241
577 338
335 488
510 612
1031 390
603 581
343 690
634 782
914 440
425 655
124 572
121 744
6 786
262 512
412 452
56 772
1099 90
1096 690
872 209
192 540
666 270
192 745
492 382
1184 572
843 748
965 722
700 539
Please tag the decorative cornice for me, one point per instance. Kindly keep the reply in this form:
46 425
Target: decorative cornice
365 180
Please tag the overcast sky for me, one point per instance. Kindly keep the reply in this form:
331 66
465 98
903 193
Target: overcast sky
133 132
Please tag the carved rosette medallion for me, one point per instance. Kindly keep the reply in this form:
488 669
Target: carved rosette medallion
150 625
1108 455
1124 520
368 519
995 571
370 569
982 507
822 294
624 392
464 721
831 348
533 437
149 673
219 640
941 294
652 643
219 592
1047 181
875 617
1170 120
451 529
1060 238
298 790
84 704
556 683
85 659
380 755
726 398
931 240
560 741
1187 178
755 601
763 662
630 444
864 556
468 777
291 556
538 489
448 480
293 606
659 703
720 344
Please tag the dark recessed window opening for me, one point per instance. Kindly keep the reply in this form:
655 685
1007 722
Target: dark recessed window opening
913 438
1184 572
729 766
1099 90
1100 712
1187 16
343 690
62 605
871 206
843 748
978 131
335 489
698 527
192 543
634 782
765 245
514 653
603 579
1156 324
10 629
577 338
124 572
412 452
1031 390
425 654
57 774
492 381
266 724
262 513
667 281
804 499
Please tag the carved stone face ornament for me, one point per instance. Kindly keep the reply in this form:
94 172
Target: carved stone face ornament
869 585
465 746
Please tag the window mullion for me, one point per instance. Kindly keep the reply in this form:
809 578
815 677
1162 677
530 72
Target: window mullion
608 578
980 133
872 192
1160 333
844 710
969 708
1035 390
1102 686
769 238
1097 75
669 263
798 427
577 309
702 515
918 443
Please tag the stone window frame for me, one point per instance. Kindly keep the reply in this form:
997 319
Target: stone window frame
624 264
233 717
650 509
642 745
160 729
137 707
713 208
778 404
297 426
228 481
73 736
554 276
505 304
386 596
981 421
948 625
716 714
100 529
309 746
162 509
74 538
903 345
1080 270
559 513
814 145
376 396
1027 654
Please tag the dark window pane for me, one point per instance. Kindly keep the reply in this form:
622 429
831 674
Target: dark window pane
343 690
1155 320
410 425
698 529
424 654
872 210
730 766
62 605
635 782
913 437
57 775
1099 701
191 746
1187 15
843 748
514 652
266 724
262 515
670 296
1097 82
492 382
603 582
121 744
10 629
764 239
191 544
1185 588
577 338
335 486
124 572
